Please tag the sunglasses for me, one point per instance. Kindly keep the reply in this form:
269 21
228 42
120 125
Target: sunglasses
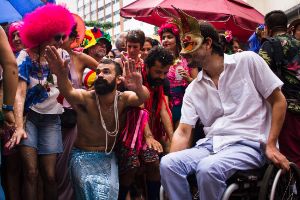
57 38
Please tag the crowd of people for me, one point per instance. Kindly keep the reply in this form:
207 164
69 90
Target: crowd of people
85 119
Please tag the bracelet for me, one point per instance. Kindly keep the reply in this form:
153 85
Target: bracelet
7 107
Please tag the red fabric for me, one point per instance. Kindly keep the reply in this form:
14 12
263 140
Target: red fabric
234 15
289 138
155 123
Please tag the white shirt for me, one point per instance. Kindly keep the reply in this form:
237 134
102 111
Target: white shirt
237 110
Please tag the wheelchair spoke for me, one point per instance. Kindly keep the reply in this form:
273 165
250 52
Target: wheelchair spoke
286 187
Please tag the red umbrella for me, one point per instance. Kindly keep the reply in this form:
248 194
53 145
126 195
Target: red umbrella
235 15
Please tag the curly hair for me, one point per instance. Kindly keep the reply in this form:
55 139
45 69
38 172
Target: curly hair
161 55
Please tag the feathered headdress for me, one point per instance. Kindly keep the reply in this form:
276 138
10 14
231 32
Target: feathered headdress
44 23
191 38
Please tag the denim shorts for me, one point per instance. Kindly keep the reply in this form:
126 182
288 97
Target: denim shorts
43 133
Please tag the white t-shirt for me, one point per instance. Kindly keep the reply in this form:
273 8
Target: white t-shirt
237 110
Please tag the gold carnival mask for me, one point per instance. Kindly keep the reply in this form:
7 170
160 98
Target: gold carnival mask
190 34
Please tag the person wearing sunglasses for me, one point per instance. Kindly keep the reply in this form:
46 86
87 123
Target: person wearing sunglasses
39 138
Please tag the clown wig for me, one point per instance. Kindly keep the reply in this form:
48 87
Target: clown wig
170 28
16 26
44 23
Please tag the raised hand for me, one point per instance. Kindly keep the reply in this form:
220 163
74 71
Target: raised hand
55 62
133 79
185 75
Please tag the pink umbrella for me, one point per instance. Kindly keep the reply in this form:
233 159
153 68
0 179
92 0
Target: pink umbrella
235 15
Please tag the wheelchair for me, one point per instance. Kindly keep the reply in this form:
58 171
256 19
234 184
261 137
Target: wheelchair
266 183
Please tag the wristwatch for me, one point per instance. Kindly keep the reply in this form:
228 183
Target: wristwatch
7 107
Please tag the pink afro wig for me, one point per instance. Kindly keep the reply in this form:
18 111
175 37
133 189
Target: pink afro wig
16 26
44 23
168 27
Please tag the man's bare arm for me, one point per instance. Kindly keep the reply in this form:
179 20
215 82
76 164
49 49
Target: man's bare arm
61 70
278 104
181 138
166 119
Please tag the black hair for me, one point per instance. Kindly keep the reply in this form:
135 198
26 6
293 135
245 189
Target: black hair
150 40
74 32
155 43
276 20
112 51
136 36
118 68
208 31
161 55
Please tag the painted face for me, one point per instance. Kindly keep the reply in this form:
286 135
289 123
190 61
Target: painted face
105 82
133 49
190 43
146 48
169 41
157 73
16 40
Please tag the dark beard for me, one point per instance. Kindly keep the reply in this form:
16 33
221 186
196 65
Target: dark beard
102 87
155 81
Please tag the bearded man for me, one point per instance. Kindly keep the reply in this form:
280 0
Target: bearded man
100 116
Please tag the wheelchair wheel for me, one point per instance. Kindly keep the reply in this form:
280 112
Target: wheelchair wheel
276 185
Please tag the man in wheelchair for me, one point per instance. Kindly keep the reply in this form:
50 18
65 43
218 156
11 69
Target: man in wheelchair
238 100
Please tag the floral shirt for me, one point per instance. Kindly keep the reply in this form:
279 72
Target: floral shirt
289 71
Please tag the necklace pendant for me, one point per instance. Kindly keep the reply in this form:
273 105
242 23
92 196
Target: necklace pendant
40 75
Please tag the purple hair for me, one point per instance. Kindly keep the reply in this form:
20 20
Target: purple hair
44 23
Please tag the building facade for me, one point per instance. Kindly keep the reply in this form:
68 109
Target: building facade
290 7
109 11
